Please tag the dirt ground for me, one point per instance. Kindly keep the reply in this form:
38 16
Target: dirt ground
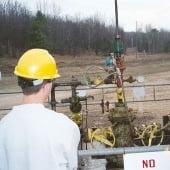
154 68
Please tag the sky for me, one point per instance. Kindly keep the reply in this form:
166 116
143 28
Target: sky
132 14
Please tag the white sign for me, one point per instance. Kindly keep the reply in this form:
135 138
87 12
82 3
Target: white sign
81 93
140 79
147 161
138 92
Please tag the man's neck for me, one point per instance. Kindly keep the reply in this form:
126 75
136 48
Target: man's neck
33 98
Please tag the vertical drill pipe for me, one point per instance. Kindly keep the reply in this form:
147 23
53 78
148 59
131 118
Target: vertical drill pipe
53 100
116 15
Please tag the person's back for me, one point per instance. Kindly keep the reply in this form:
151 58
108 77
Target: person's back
33 137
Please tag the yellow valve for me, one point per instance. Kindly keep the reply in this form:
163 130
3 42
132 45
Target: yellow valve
147 133
77 118
97 81
103 135
119 92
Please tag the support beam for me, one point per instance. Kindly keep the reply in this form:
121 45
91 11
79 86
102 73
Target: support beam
125 150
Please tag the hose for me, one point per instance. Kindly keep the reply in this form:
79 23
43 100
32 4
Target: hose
87 80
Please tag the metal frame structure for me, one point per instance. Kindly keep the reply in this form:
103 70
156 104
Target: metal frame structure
153 97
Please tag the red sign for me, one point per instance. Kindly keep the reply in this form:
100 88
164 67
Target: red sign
148 163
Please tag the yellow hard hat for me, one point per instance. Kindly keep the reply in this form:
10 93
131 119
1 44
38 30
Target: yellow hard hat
37 64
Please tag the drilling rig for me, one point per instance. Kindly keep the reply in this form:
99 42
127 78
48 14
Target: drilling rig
120 116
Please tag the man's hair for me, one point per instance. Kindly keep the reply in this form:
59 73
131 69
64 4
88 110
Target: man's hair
28 87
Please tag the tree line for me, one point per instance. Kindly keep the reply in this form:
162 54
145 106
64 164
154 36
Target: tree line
20 29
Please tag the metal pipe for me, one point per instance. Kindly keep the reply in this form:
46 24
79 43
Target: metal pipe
125 150
116 16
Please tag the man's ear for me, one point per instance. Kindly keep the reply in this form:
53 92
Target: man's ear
47 86
46 90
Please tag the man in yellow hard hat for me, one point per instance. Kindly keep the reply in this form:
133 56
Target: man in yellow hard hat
33 137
